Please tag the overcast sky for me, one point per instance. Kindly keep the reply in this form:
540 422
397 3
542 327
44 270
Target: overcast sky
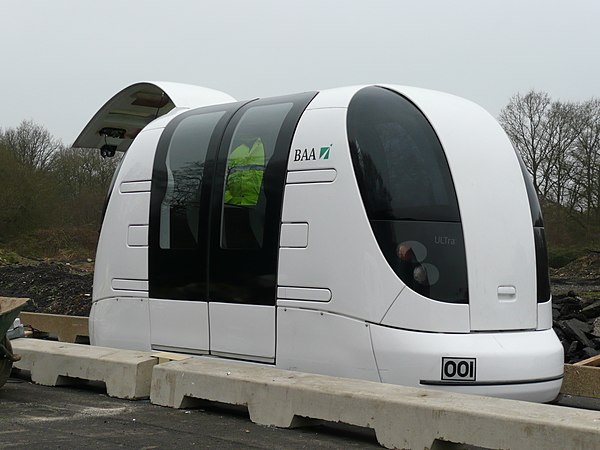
62 59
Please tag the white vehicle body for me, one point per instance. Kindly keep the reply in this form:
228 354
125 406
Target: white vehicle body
420 269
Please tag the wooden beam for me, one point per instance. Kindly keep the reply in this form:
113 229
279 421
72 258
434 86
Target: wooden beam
581 381
594 361
65 328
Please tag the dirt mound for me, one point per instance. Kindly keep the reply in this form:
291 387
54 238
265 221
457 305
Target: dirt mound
584 269
54 288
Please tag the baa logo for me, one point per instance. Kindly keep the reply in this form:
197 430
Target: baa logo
311 155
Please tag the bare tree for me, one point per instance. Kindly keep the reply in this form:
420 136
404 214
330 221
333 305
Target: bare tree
26 198
566 122
525 120
587 161
32 145
546 134
82 178
80 169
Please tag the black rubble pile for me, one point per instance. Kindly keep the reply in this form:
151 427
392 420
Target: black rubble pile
53 288
577 324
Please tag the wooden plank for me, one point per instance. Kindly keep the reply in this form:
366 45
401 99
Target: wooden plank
164 357
581 381
65 328
593 361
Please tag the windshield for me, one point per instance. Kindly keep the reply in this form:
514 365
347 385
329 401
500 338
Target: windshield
408 193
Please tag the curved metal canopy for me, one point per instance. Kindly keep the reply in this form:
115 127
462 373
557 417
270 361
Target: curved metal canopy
122 117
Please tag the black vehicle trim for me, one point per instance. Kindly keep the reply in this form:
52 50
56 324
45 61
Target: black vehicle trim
489 383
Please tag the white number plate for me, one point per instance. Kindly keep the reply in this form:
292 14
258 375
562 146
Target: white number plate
459 369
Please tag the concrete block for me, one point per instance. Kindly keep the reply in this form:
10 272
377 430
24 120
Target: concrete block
126 373
402 417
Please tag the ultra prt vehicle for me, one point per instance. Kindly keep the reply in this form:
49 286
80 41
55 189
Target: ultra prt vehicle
380 232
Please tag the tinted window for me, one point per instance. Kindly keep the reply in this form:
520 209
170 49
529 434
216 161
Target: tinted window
244 200
408 193
246 221
534 204
398 159
541 265
179 203
185 160
429 257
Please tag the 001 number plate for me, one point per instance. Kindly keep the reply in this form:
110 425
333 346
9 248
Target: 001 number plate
459 369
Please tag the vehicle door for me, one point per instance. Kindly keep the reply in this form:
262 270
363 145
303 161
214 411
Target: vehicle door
179 228
245 222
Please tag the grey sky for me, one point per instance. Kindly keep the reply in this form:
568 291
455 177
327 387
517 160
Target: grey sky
62 59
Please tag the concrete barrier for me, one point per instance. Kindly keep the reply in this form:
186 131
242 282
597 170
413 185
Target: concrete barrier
402 417
126 373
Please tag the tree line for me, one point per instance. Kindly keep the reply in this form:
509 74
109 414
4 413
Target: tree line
46 185
559 143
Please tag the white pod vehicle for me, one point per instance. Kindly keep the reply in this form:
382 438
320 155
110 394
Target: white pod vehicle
385 233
